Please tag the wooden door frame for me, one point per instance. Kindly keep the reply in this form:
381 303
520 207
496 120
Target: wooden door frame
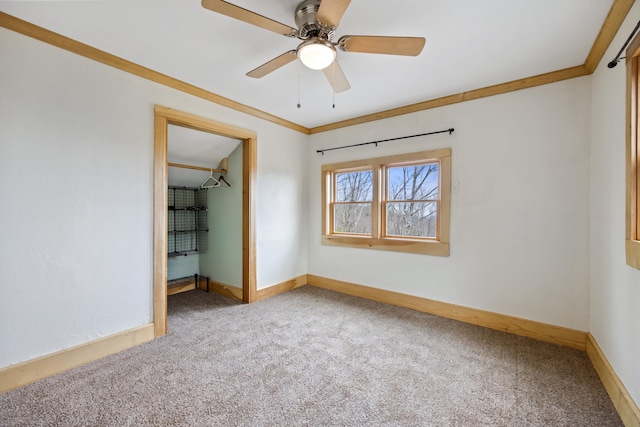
163 117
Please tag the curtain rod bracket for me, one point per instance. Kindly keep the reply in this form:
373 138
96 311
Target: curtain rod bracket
617 59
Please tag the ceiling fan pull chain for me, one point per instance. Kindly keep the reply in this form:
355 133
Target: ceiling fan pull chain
333 71
298 84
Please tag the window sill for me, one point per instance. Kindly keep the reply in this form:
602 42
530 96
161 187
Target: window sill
431 247
633 253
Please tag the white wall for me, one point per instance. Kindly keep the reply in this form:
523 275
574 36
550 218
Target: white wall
519 222
76 156
282 209
615 287
182 266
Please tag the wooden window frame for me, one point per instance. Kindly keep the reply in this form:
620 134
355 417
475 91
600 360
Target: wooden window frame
378 239
632 237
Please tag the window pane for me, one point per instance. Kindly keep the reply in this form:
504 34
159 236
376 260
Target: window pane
413 182
354 186
415 219
352 218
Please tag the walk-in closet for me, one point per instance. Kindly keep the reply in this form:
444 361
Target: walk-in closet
204 202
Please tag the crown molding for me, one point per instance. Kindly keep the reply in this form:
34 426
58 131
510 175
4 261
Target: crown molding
31 30
609 29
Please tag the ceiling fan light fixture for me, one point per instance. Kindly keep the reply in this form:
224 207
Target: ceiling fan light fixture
316 54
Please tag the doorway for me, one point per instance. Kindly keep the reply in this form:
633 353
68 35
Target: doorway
163 117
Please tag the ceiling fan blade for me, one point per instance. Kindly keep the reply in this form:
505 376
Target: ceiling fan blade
249 17
336 77
409 46
273 65
331 11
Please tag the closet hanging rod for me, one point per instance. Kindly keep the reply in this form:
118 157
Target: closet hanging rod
450 130
198 168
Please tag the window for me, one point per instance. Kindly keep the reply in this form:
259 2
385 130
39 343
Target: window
396 203
352 205
633 155
410 201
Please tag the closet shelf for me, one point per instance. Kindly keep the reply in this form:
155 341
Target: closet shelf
188 283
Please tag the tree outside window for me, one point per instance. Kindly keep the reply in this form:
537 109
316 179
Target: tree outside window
412 200
352 207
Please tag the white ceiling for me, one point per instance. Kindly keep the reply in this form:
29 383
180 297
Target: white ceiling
470 44
192 147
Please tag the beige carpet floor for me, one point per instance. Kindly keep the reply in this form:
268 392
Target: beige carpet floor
313 357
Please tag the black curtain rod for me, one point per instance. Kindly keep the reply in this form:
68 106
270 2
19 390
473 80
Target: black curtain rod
450 130
617 58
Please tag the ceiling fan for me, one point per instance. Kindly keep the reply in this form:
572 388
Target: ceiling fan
317 21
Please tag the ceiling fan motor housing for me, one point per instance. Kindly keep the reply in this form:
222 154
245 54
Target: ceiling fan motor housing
308 25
